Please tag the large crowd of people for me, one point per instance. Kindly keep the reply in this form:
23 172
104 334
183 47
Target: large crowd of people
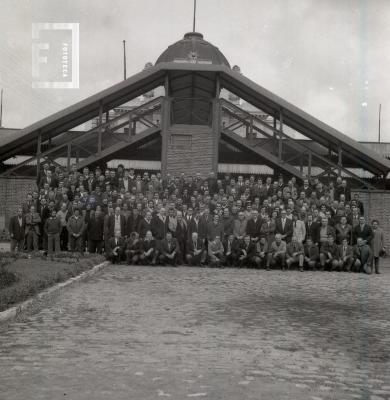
190 220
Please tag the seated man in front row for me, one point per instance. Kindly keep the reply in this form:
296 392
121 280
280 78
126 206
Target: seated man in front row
196 253
363 256
311 254
149 250
277 252
169 250
260 257
329 254
247 252
216 252
133 249
232 247
345 255
115 247
295 253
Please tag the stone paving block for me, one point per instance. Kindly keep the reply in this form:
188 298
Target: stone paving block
143 333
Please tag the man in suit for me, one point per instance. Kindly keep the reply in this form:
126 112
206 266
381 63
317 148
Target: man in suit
169 250
232 247
181 235
253 227
216 252
359 203
49 179
311 254
323 232
227 222
268 229
33 221
204 222
145 225
345 255
342 189
215 228
277 252
196 252
363 256
239 230
75 228
343 231
17 227
247 252
134 249
284 227
194 225
95 229
115 247
159 225
52 229
329 254
149 251
261 256
295 253
117 223
363 231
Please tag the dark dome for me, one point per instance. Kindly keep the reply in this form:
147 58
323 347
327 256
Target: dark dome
194 49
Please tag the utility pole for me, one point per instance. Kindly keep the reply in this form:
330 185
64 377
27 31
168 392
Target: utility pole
194 23
379 123
1 109
124 59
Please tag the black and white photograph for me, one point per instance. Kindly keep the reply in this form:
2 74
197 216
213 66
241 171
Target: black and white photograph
194 199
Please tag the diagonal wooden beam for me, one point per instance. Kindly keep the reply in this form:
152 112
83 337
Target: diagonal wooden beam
137 139
247 145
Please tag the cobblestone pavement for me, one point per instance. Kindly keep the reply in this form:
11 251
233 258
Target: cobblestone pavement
150 333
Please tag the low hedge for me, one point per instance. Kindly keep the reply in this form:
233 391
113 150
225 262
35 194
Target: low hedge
22 278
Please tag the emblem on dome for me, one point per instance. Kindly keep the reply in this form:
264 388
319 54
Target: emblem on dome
193 56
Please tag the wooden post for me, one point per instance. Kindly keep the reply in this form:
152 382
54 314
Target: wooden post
217 87
309 167
68 156
39 148
275 135
166 85
130 124
280 149
100 128
216 129
251 127
340 159
165 123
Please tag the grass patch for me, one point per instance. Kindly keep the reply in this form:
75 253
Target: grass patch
22 278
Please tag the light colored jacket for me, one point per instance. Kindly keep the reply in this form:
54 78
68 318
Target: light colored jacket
378 242
299 230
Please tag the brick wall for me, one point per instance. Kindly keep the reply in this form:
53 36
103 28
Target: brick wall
377 206
13 192
190 150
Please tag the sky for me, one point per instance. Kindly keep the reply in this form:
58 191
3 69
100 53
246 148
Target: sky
330 58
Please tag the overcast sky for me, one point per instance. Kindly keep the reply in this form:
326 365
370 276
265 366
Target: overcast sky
329 57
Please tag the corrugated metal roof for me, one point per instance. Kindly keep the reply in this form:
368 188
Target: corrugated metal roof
232 81
300 120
